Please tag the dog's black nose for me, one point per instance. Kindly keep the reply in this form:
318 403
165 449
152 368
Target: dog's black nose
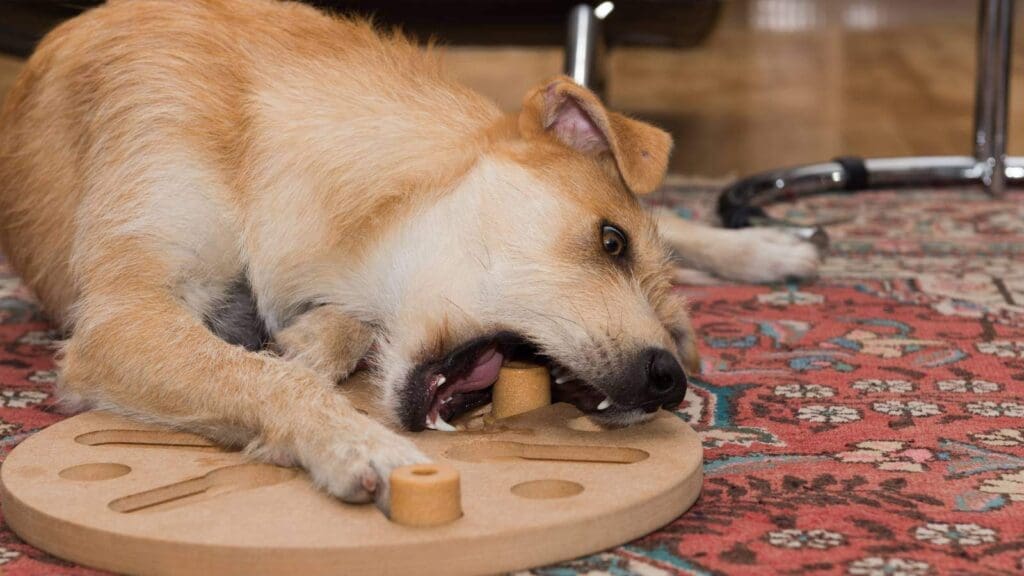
665 380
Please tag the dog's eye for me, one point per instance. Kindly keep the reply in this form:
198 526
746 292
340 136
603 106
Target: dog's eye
613 240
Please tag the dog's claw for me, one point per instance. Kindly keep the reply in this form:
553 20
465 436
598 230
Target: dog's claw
370 482
363 490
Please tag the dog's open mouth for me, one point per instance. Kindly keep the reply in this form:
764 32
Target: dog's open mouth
442 390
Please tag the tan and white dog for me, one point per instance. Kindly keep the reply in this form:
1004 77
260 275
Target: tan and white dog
184 184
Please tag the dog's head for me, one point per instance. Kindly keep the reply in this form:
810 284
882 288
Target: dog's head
542 252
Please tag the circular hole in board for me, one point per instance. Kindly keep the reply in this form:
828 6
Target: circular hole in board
94 472
424 471
547 489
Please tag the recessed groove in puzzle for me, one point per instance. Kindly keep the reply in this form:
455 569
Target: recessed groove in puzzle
504 450
146 438
95 471
547 489
215 482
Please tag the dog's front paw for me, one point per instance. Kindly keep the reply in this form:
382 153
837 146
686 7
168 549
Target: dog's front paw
762 255
356 467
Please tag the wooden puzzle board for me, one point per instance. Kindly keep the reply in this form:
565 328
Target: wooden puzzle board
541 487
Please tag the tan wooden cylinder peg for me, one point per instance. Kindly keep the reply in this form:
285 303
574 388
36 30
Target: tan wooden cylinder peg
425 495
520 388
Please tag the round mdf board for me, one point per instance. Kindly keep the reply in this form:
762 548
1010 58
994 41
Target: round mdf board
541 487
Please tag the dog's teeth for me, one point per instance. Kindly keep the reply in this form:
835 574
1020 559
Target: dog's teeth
443 426
435 422
604 404
436 382
562 379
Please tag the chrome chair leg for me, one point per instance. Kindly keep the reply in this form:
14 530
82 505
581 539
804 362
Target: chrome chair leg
742 203
583 47
995 42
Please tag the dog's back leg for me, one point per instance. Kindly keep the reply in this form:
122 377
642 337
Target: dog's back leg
747 255
136 348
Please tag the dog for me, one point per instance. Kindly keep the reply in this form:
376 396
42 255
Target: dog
228 204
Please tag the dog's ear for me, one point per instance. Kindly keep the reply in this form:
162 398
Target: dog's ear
575 117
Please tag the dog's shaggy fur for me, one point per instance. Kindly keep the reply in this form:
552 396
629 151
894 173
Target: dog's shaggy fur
182 183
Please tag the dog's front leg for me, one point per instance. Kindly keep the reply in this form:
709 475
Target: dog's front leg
136 349
327 341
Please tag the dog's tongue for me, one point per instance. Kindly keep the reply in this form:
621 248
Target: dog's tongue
483 374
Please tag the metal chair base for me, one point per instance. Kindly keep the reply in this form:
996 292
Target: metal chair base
742 203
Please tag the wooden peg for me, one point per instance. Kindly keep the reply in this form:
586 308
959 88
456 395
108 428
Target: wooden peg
520 388
425 495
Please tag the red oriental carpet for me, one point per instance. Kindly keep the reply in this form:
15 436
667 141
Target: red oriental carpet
868 423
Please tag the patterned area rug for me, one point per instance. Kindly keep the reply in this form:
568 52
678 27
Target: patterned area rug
869 423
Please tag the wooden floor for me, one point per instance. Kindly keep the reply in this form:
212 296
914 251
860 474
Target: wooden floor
783 82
